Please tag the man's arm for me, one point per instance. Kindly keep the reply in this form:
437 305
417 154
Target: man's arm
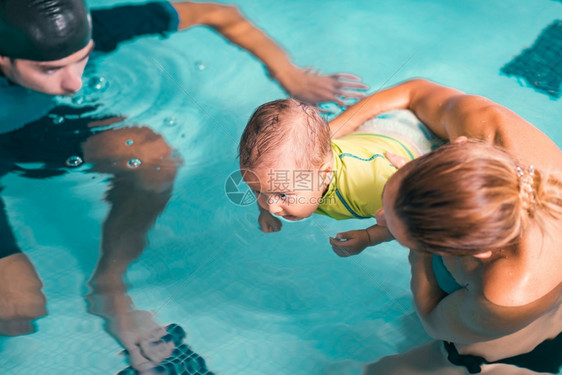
302 84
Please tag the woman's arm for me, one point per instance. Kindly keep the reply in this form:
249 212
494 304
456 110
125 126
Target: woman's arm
446 111
450 114
466 316
303 84
442 315
424 286
397 97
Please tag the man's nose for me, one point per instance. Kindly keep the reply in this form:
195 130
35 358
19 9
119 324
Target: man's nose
72 79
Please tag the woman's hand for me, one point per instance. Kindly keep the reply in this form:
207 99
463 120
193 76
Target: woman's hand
396 160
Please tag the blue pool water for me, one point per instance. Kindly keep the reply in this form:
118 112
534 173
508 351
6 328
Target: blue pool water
254 303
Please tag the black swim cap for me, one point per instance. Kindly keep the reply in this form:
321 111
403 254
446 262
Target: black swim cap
43 30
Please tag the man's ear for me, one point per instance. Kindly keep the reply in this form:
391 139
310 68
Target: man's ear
483 255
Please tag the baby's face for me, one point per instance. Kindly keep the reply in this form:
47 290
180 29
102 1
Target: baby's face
289 192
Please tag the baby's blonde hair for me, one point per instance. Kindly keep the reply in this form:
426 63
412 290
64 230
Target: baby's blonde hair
283 123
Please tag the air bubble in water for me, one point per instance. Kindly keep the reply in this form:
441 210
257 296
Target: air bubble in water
74 161
78 99
57 120
170 121
134 163
97 83
201 65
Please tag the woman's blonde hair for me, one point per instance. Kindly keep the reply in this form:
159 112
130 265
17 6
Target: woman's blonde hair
465 198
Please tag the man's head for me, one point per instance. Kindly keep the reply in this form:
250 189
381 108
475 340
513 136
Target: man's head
45 44
286 145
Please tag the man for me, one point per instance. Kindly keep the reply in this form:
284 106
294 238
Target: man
52 59
45 46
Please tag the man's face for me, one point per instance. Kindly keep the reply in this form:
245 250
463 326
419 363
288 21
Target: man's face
59 77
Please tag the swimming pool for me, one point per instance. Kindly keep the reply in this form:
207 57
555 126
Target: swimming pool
255 303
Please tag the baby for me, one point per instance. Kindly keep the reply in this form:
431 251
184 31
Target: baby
296 169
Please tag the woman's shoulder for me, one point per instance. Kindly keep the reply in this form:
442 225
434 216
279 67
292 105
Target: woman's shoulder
479 117
526 275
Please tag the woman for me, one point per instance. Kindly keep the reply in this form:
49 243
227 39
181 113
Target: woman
493 290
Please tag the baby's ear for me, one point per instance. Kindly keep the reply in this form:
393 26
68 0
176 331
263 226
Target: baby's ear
325 176
326 167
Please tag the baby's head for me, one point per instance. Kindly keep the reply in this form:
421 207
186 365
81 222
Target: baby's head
286 145
281 129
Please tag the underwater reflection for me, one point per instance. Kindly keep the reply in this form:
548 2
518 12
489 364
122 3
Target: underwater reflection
142 168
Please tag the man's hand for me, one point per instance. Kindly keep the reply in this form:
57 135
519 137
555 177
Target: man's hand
306 85
269 223
311 87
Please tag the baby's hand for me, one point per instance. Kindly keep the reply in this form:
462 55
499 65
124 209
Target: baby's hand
350 243
269 223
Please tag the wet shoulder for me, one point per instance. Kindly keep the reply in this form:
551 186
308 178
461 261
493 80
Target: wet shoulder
527 277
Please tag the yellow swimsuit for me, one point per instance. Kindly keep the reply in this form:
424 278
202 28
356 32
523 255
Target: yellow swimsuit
360 173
